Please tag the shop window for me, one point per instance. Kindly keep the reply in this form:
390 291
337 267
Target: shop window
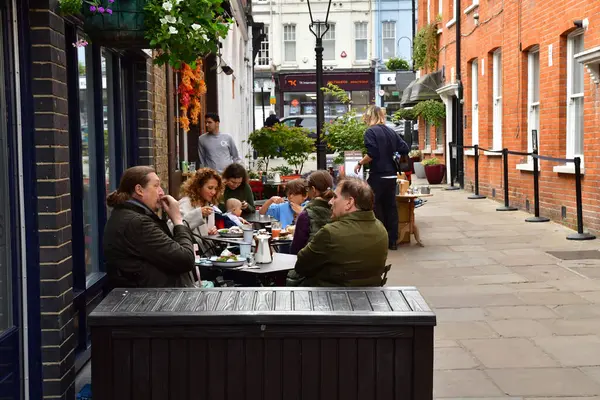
329 44
289 43
360 41
5 228
389 39
360 100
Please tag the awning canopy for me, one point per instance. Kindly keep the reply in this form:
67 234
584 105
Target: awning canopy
423 89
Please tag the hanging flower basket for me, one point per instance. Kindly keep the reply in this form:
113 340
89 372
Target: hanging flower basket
123 28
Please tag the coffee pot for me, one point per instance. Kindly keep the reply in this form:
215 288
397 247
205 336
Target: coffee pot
263 253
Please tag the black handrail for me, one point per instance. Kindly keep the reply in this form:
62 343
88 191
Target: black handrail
476 196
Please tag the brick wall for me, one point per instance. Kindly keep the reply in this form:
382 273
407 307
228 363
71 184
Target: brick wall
161 139
145 118
515 27
54 207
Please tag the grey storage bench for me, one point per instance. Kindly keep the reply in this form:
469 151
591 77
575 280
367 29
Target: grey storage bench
263 343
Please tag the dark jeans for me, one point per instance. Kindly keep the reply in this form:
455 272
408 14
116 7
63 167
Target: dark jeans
385 205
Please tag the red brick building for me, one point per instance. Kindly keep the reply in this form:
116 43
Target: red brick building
526 65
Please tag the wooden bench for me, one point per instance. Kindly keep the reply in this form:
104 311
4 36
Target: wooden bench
263 343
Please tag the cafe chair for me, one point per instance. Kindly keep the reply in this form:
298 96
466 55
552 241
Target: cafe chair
386 269
258 189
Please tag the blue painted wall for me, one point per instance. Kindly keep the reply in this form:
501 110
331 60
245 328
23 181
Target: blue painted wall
401 12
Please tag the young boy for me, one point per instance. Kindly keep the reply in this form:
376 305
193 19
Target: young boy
234 211
287 212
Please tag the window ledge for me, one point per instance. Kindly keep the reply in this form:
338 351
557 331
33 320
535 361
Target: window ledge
289 65
470 152
472 7
526 167
490 154
451 23
426 151
567 169
438 151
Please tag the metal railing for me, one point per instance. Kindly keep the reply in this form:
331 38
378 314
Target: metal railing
580 235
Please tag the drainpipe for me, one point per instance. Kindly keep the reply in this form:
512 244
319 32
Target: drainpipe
414 32
459 106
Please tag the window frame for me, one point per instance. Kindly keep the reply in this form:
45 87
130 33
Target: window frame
497 113
384 38
365 39
286 41
427 137
260 59
571 64
328 40
474 102
533 104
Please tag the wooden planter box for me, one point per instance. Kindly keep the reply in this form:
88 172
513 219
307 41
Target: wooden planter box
123 29
263 343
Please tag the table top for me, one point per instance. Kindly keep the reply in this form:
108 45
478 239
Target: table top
219 238
281 262
257 218
391 306
413 196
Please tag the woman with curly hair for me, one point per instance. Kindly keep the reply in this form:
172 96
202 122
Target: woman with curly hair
200 194
235 179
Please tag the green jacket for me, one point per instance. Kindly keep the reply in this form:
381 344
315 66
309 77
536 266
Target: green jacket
350 251
242 193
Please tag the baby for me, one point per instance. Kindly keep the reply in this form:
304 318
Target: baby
234 210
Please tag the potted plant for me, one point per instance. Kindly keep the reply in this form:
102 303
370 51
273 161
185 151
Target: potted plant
297 147
415 157
434 171
397 64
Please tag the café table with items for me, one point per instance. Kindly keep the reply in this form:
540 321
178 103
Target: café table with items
247 268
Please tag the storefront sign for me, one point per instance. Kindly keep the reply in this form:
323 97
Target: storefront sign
387 79
273 100
308 82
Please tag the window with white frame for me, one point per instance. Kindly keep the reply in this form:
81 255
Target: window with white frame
440 7
389 39
497 99
329 44
427 136
289 43
428 11
439 136
533 96
263 53
360 41
474 103
575 85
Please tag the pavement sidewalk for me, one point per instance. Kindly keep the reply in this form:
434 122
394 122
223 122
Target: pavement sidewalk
513 321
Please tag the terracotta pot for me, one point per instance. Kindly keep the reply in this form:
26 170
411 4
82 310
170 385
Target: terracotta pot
435 173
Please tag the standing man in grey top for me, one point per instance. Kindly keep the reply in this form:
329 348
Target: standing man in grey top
216 150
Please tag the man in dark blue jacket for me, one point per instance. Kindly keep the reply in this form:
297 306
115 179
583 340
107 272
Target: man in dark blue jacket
382 143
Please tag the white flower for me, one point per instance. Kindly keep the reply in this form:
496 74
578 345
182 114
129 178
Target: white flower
173 30
170 19
167 5
177 2
204 37
163 21
196 27
179 20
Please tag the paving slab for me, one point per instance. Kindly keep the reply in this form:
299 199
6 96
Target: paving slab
464 384
524 328
508 353
572 351
544 382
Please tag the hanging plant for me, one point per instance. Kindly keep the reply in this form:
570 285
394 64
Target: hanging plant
425 50
191 89
432 111
397 64
403 113
183 31
70 7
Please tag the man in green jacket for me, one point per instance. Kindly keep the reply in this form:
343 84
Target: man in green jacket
352 249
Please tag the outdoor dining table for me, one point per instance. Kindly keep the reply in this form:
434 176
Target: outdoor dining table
259 219
272 274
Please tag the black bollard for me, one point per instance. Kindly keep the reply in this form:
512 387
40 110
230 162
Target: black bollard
476 196
452 169
506 206
536 192
579 235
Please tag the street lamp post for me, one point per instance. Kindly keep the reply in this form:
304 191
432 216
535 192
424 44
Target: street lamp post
319 29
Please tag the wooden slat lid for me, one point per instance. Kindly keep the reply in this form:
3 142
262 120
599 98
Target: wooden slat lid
283 305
